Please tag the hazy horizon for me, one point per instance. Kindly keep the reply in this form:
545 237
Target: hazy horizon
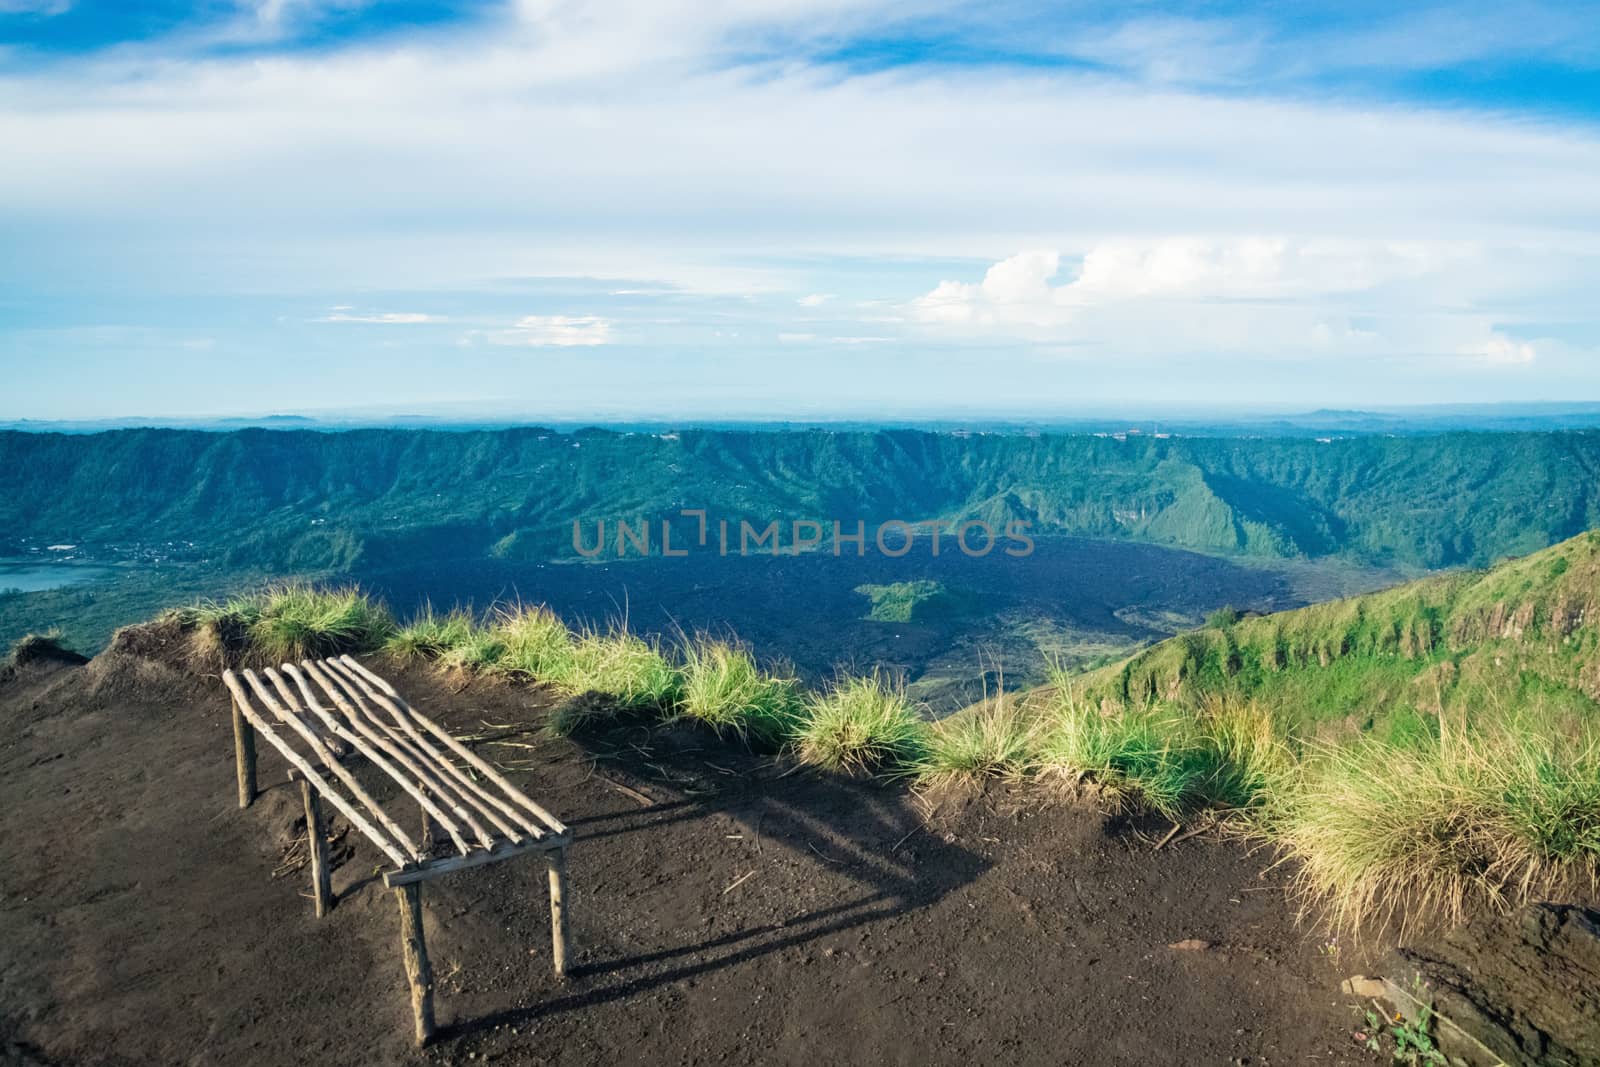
1144 418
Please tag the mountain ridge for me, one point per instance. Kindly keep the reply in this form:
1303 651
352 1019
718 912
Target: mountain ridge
306 498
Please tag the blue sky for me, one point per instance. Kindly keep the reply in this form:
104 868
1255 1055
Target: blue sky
703 208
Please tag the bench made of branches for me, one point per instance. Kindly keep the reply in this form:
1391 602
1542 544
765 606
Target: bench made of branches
337 708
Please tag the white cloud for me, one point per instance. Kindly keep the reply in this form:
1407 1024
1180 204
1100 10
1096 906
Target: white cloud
814 300
1176 50
1015 291
1263 52
563 331
1254 267
1018 290
858 166
1244 297
1498 348
390 318
605 38
789 338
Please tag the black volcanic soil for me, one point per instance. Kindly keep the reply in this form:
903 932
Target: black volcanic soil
1097 596
750 914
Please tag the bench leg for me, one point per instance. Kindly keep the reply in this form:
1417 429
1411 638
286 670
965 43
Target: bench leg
419 973
557 860
426 840
244 756
317 838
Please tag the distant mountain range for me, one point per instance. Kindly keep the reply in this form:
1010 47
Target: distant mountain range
299 500
1421 419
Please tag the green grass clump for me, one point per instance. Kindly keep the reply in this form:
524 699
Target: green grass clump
534 642
1167 758
1136 752
430 635
904 601
625 666
1434 829
297 621
861 724
617 663
610 674
1252 756
1226 615
994 740
478 649
723 688
625 669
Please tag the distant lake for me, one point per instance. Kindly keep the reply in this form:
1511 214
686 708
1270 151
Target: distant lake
34 575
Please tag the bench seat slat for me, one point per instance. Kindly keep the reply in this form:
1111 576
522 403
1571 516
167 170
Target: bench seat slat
300 763
287 715
412 778
555 824
482 799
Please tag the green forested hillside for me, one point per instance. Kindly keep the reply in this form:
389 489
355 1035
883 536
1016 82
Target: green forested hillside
328 500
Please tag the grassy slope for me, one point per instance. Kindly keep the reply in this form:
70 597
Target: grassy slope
1420 753
1521 635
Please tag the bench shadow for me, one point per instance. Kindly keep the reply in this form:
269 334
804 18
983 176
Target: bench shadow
869 838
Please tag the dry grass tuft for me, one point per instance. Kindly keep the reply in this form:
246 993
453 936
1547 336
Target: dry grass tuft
1387 835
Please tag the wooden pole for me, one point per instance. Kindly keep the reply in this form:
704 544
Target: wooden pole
317 837
429 869
427 828
557 860
419 973
332 741
244 755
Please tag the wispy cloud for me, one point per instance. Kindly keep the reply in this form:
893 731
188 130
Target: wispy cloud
387 318
561 331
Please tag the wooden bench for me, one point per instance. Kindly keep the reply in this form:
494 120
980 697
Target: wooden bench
337 708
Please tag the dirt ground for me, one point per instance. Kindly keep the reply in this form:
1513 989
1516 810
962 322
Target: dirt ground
751 913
